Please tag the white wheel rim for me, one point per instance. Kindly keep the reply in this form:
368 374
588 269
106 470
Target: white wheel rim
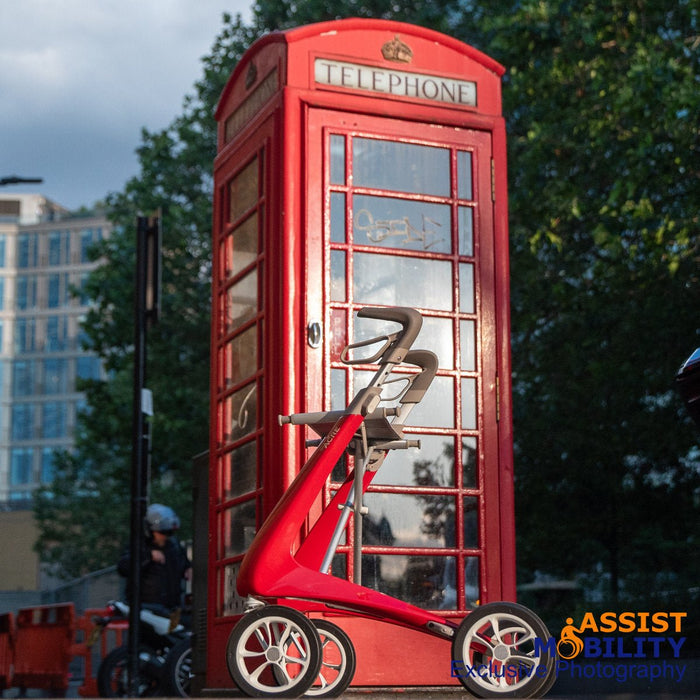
508 643
281 645
327 639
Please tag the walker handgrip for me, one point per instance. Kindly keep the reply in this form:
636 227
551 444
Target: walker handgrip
410 320
396 445
310 418
428 362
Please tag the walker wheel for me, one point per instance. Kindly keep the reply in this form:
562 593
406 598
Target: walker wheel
337 661
500 651
274 651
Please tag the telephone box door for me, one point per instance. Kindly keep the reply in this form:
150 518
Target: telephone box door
401 213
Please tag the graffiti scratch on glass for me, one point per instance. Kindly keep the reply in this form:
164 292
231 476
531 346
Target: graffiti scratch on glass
239 423
381 229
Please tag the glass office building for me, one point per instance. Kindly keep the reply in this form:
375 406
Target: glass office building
44 260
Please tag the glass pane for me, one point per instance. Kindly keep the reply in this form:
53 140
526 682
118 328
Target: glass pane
242 246
338 333
23 421
467 345
400 223
436 335
464 175
402 281
243 190
340 471
403 520
465 224
337 159
427 582
231 602
239 528
338 390
469 462
240 470
466 288
469 404
243 356
404 167
432 465
437 409
337 217
471 581
24 377
242 301
471 522
240 413
338 275
55 376
339 566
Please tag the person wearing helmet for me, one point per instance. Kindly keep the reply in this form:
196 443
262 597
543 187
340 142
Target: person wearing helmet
164 562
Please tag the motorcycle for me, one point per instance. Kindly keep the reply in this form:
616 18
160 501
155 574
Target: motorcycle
165 655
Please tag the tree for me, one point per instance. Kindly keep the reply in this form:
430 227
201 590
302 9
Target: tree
601 101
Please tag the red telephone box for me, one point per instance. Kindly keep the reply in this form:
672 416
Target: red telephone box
362 162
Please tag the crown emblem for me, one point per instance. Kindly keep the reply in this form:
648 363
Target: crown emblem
396 50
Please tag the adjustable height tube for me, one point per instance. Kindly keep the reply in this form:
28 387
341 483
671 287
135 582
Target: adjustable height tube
361 454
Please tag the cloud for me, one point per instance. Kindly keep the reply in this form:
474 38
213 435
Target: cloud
80 78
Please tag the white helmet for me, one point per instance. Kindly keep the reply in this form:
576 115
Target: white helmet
160 518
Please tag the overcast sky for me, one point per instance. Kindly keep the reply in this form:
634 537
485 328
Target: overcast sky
80 78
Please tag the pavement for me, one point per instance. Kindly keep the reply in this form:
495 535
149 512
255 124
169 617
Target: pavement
565 688
441 693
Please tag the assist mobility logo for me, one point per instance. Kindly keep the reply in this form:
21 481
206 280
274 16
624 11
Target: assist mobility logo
626 645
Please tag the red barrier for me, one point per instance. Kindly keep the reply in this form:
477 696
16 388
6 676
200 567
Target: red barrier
43 641
35 652
87 634
7 649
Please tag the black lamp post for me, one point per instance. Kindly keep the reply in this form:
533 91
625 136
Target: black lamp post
16 180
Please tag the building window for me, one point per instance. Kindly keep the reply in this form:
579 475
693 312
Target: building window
88 237
54 296
54 422
27 250
21 466
58 291
59 245
2 293
56 336
55 376
82 285
23 421
25 335
23 377
2 251
48 469
25 292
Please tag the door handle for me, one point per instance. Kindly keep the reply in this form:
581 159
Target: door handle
314 333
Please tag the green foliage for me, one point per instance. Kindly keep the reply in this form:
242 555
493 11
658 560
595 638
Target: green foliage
602 106
281 14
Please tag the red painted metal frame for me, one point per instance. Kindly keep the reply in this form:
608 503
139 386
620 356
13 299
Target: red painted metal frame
270 569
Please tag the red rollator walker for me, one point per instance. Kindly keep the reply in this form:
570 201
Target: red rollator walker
275 649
